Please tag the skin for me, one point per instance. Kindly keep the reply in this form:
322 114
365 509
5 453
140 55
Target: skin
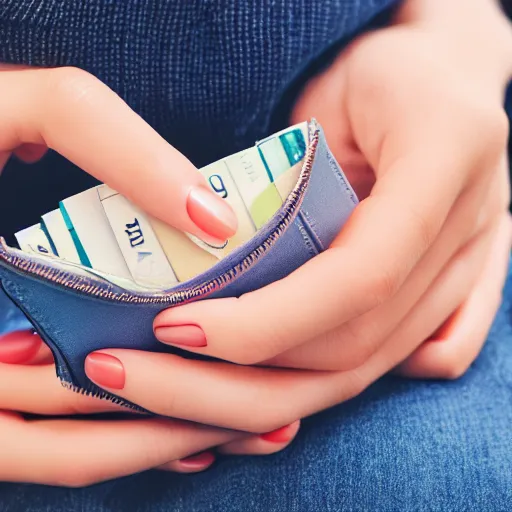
413 113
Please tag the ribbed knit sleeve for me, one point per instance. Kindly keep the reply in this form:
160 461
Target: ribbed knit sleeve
205 73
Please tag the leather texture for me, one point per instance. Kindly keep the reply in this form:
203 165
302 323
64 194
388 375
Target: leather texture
76 323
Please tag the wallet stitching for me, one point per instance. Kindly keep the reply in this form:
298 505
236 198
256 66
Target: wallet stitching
291 209
306 236
349 191
309 226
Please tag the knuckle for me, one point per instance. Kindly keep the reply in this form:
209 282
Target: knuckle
381 287
79 405
353 346
427 230
357 383
246 357
165 404
496 124
72 84
270 420
74 478
256 349
493 128
452 366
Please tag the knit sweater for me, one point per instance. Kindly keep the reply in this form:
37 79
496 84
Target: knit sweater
206 74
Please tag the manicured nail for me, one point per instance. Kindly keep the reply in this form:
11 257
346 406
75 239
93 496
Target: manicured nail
211 214
281 435
105 370
186 335
19 347
198 461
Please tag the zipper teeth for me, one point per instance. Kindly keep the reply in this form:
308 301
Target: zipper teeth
102 395
80 284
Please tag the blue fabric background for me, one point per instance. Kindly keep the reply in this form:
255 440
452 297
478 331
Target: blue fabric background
209 75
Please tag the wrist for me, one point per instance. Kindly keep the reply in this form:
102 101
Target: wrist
474 30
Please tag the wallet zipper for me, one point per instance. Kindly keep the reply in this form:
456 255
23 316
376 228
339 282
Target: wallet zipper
76 283
63 278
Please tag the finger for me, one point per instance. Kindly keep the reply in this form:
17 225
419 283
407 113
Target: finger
24 347
261 399
4 158
37 390
30 153
411 333
43 357
243 398
19 347
399 222
72 112
349 345
192 464
77 453
264 444
451 350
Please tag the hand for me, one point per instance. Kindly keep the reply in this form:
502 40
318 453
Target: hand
414 252
402 107
262 399
72 112
77 452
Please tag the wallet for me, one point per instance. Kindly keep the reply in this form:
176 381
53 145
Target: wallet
77 311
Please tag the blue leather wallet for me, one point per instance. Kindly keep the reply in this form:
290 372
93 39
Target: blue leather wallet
77 311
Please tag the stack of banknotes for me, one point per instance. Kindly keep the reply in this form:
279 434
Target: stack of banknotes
102 230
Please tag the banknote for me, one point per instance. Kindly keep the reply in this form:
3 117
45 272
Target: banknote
58 236
33 240
254 184
281 155
139 245
104 231
92 235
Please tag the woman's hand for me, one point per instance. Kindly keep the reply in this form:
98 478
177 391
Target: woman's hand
70 111
415 116
77 451
259 399
413 111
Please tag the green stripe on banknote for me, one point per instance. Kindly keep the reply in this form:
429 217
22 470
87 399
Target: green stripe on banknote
265 206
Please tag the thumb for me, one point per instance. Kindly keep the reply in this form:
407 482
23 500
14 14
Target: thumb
75 114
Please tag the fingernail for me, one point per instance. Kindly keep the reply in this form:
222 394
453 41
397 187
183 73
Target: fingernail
211 214
186 335
281 435
18 347
105 370
198 461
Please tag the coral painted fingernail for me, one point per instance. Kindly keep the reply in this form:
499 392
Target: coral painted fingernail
211 214
198 461
186 335
19 347
281 435
105 370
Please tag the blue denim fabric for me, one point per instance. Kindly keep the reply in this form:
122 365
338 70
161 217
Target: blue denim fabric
75 323
402 445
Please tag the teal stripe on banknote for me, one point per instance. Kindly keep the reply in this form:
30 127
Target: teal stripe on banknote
279 154
266 165
50 239
76 240
294 145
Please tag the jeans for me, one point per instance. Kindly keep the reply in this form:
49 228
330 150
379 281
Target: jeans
401 445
